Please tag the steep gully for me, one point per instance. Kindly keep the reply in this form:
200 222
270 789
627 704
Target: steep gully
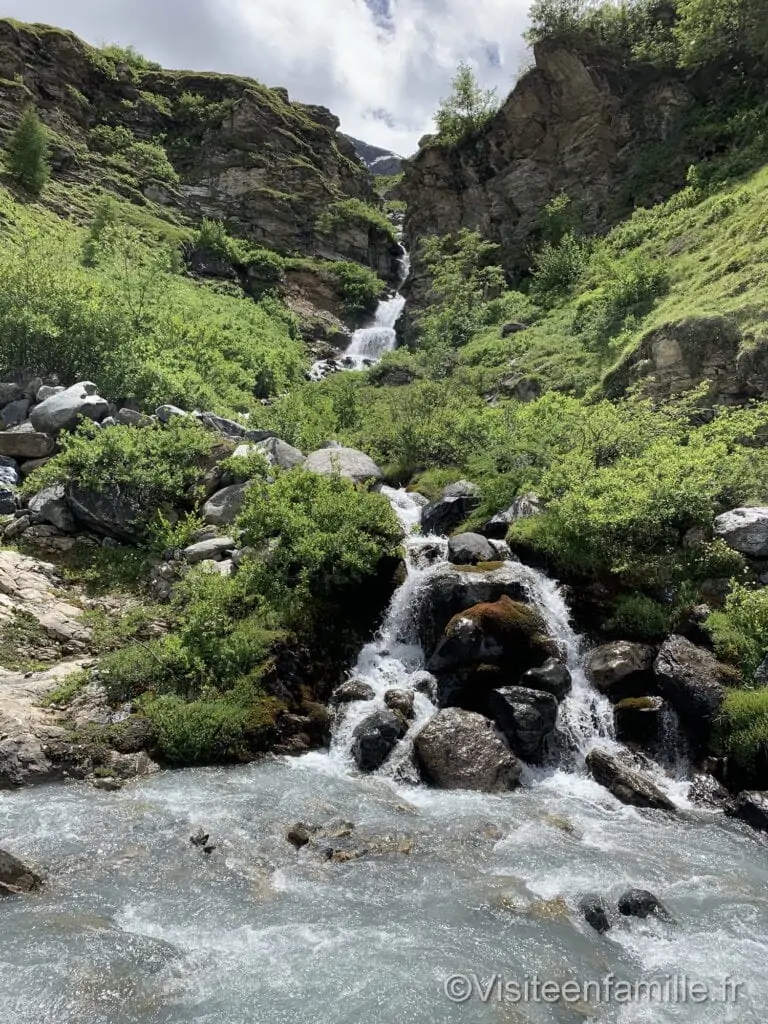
402 887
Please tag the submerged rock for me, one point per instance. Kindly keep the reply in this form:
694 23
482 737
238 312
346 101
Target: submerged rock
641 903
620 669
625 782
462 750
375 739
401 701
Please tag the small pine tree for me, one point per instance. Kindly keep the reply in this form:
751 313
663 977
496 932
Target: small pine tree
101 230
27 153
467 108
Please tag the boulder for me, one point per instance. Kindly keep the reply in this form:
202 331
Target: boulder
375 738
346 462
15 413
165 413
521 508
213 548
625 782
492 632
596 912
15 876
232 429
551 677
620 669
638 720
459 749
469 549
751 807
459 500
65 410
745 530
352 690
106 512
691 680
453 589
51 506
280 453
7 500
24 442
225 506
526 717
133 418
10 392
401 701
641 903
48 391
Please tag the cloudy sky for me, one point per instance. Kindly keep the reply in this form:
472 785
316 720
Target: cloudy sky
380 65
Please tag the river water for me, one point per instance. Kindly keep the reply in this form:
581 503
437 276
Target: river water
138 926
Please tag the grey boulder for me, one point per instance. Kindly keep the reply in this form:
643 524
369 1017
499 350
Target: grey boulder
24 442
225 506
745 530
460 749
65 410
458 501
51 506
470 549
346 462
375 738
751 807
15 876
691 680
625 782
352 690
551 677
15 413
526 717
620 669
524 507
106 512
214 548
280 453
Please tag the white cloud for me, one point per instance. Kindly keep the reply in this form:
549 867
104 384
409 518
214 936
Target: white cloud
382 73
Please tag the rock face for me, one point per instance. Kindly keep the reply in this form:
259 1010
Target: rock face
745 530
526 717
459 500
626 783
65 410
240 164
462 750
691 680
346 462
751 807
620 669
576 123
375 739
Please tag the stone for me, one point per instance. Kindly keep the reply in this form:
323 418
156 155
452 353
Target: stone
751 807
15 413
352 690
469 549
107 784
526 717
551 677
133 418
401 701
638 720
596 912
32 464
17 528
524 507
692 680
51 506
48 391
214 548
9 476
460 749
280 453
10 392
24 442
107 512
491 632
65 410
15 876
346 462
375 738
513 327
625 782
706 791
8 503
620 669
225 506
452 589
745 530
642 903
458 502
165 413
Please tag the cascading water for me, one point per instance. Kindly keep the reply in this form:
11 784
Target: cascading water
369 344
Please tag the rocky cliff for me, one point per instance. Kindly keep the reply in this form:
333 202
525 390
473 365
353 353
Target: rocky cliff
195 144
580 123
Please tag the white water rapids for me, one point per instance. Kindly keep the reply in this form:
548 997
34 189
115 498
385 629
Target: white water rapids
137 926
370 343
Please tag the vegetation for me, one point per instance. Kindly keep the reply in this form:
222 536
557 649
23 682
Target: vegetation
27 156
740 631
355 211
466 109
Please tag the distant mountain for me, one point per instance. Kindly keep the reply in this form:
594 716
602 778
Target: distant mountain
378 161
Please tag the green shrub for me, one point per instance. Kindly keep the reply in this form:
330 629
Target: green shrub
150 162
360 287
740 630
197 732
27 153
130 56
742 730
110 139
100 232
354 211
637 617
558 267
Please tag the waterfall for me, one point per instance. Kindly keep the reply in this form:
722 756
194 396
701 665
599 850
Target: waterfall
370 343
